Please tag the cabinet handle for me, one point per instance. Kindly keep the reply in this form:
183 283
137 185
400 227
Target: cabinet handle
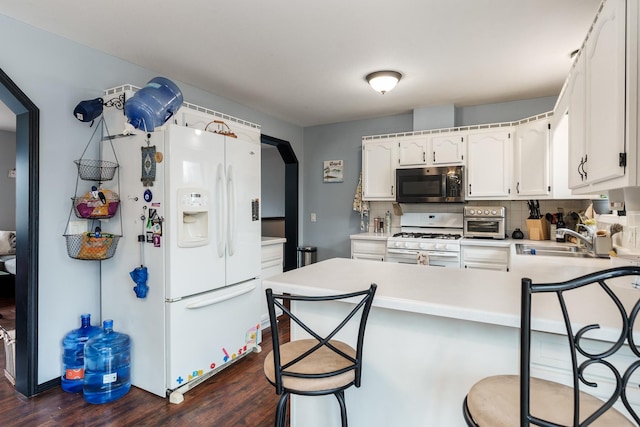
392 190
580 167
434 157
583 170
518 188
424 156
469 189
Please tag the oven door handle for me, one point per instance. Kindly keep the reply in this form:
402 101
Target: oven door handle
430 252
443 254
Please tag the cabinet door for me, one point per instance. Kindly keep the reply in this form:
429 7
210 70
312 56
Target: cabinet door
378 170
412 151
447 149
605 78
531 155
489 163
577 128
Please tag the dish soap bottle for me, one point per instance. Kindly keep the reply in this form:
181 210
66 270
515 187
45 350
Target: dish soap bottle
560 236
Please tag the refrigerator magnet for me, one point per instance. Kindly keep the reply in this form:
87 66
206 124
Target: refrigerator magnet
156 240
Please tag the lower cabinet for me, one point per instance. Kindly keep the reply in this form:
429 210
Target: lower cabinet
272 257
369 249
485 257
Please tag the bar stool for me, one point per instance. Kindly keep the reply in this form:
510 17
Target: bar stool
319 365
512 400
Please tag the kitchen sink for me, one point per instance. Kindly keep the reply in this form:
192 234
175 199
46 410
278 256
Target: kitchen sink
550 250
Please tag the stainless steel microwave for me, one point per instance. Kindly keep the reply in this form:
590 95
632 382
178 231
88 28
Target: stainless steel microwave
442 184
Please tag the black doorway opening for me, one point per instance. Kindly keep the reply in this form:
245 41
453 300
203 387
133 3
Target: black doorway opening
290 199
27 210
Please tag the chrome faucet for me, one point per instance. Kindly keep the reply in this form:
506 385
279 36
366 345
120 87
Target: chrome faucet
588 240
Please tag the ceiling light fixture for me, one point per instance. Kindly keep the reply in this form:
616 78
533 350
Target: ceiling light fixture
383 81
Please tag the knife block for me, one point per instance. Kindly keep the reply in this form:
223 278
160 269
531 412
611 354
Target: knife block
538 229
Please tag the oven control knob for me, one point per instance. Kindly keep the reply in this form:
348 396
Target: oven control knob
440 247
494 212
471 211
486 212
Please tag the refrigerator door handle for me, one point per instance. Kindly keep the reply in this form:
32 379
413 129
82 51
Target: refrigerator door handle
220 209
231 210
222 298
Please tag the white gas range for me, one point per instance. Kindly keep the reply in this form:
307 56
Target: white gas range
435 236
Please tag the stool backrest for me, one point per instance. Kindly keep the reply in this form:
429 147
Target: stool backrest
582 357
362 301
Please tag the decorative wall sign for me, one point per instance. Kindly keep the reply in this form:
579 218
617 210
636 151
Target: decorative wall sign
333 171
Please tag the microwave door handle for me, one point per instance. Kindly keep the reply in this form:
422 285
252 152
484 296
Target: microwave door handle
443 183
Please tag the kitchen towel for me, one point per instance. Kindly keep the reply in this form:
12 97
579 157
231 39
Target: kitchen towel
359 205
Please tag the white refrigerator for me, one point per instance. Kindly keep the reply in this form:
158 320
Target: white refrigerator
190 212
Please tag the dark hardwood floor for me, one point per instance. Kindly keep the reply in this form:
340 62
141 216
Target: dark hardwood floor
238 396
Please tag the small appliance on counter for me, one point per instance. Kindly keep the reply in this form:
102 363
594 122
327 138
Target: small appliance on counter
485 222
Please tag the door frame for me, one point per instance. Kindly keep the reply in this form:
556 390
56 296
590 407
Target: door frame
290 199
27 212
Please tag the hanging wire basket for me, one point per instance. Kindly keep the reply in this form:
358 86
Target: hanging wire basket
102 205
95 170
88 246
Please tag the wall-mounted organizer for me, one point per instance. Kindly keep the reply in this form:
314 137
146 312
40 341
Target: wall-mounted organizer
93 205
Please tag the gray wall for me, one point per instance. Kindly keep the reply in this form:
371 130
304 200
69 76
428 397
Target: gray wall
7 185
272 198
333 202
56 73
504 111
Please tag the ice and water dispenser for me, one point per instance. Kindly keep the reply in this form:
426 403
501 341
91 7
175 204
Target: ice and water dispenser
193 214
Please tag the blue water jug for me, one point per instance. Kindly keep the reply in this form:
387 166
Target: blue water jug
153 105
72 378
107 366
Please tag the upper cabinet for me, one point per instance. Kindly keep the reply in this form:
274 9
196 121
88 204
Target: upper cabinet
489 164
379 158
447 149
532 159
412 151
603 92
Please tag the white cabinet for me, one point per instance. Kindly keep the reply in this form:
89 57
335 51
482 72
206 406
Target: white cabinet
576 89
379 169
373 249
272 262
485 257
531 160
605 80
447 149
489 164
603 90
412 151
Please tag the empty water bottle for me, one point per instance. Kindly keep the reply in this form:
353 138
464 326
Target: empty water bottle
72 378
107 365
152 105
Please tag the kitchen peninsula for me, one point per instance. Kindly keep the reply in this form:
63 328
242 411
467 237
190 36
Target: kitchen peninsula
433 332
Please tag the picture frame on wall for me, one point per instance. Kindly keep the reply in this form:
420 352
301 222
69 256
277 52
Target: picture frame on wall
333 171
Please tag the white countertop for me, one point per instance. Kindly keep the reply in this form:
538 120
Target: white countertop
473 295
370 236
272 240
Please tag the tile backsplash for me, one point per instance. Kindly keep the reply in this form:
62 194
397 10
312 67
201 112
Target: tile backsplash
517 210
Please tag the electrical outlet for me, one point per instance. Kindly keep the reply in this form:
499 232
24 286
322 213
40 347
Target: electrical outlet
313 217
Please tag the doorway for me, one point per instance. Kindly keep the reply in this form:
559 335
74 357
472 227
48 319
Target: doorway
290 199
27 210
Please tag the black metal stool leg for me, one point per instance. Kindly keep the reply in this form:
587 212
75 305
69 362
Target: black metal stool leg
343 407
281 411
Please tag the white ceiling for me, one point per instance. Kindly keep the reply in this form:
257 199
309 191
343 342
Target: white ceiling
305 62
